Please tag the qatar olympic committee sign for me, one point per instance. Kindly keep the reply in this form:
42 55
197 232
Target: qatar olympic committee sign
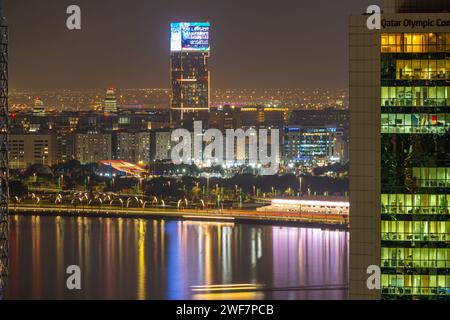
376 22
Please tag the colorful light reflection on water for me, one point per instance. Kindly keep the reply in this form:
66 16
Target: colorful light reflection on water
157 259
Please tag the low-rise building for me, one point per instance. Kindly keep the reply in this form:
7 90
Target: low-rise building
29 149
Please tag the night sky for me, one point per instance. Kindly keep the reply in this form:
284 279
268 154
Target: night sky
125 43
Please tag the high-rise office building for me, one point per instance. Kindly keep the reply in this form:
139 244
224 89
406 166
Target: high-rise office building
161 145
190 77
400 151
134 147
92 147
313 145
110 104
65 146
39 108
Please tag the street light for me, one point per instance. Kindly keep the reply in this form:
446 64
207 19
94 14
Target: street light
207 191
300 188
58 199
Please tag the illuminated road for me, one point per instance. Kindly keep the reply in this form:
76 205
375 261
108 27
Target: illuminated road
185 214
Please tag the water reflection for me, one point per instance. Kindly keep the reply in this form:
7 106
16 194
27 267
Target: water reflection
156 259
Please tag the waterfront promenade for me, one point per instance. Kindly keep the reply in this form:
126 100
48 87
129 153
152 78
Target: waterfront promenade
250 216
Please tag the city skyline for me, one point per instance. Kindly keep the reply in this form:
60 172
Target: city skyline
275 53
92 99
127 171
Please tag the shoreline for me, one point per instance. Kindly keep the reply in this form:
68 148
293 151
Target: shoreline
272 219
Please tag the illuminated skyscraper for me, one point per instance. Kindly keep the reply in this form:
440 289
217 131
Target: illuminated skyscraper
312 144
39 108
110 104
189 67
400 151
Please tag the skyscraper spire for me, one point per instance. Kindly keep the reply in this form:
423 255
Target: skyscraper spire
39 108
110 104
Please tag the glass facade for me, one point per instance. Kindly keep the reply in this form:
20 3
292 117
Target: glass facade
415 43
415 156
190 80
304 144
